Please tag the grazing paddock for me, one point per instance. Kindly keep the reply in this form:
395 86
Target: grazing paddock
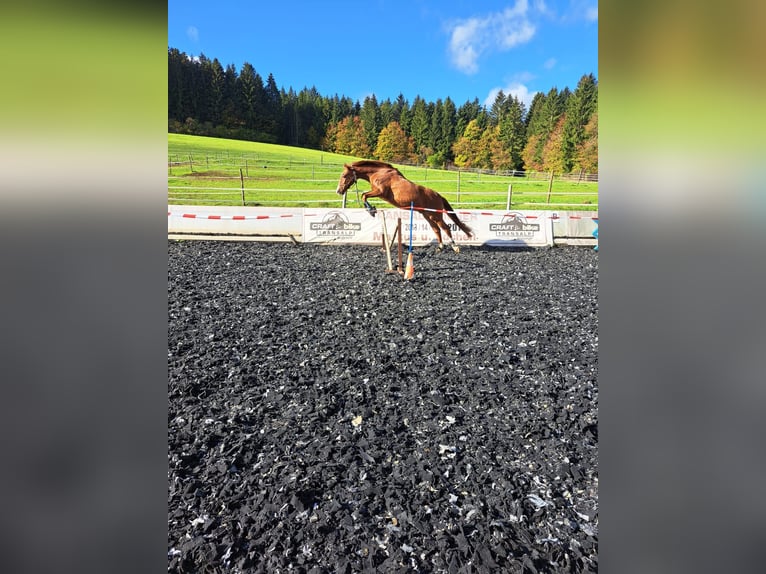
213 171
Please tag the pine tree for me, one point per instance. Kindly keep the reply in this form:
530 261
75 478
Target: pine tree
230 117
289 120
405 119
340 108
512 131
545 113
273 109
420 123
250 96
579 108
176 86
370 115
449 119
435 134
386 113
533 117
399 112
216 91
498 108
550 113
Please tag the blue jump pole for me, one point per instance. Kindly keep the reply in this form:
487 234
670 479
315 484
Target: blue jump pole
595 234
412 213
409 270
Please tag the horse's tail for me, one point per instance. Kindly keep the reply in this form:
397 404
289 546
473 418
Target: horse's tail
453 216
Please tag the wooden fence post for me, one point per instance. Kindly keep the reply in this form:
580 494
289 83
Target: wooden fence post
242 181
550 186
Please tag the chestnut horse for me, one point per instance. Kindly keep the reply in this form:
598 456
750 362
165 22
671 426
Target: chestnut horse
388 183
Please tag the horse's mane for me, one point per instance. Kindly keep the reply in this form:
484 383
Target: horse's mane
375 164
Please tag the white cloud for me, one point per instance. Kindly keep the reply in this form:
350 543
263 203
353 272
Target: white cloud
515 33
541 7
574 11
465 45
192 33
513 89
501 31
549 63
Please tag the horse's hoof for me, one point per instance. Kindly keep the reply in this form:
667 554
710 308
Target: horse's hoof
372 211
456 248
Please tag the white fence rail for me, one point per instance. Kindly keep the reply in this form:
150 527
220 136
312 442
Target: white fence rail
496 189
235 162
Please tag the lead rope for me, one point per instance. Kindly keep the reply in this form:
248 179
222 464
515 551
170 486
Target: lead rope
356 187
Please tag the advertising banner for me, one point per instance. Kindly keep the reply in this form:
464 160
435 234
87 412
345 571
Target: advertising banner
497 228
515 228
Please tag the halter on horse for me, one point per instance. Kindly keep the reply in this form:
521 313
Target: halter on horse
388 183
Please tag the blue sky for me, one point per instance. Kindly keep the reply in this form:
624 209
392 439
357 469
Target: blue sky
431 48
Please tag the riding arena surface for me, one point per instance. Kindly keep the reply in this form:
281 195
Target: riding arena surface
328 416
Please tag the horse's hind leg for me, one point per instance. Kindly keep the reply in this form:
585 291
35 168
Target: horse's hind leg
435 226
448 231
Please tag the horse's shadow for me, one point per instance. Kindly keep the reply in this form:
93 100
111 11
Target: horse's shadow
445 264
432 251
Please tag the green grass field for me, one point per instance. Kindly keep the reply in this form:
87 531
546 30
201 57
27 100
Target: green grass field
211 171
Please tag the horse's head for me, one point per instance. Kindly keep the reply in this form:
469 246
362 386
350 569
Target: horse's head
347 179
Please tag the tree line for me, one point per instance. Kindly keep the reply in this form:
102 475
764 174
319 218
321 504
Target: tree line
558 132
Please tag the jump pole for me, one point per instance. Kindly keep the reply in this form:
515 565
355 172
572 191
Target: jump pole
397 238
409 271
386 245
399 246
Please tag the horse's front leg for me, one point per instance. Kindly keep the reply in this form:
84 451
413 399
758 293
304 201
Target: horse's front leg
371 209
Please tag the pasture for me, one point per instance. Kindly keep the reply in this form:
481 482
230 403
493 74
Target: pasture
211 171
325 416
